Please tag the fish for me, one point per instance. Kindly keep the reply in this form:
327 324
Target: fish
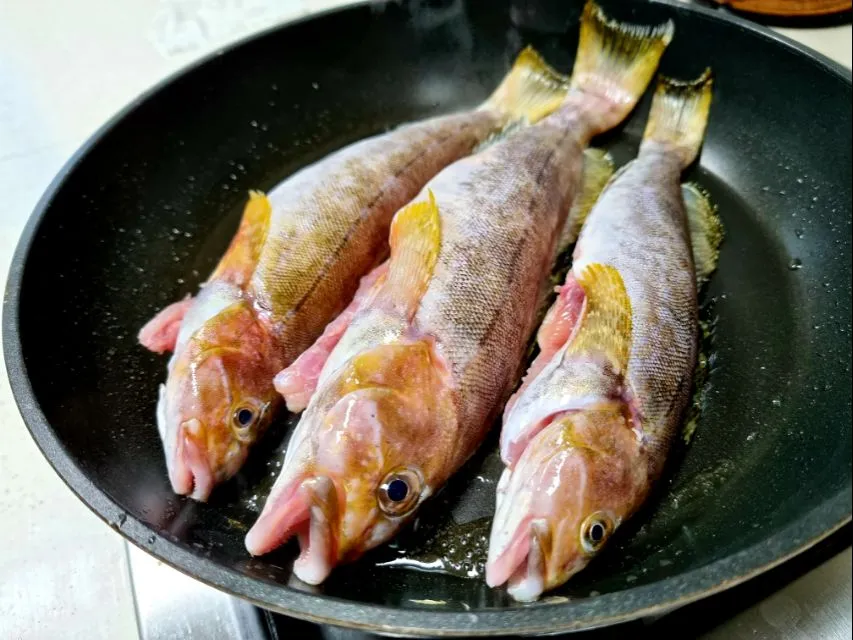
297 382
418 376
293 266
586 435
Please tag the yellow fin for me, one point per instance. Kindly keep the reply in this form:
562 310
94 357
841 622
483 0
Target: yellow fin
531 90
616 61
239 261
706 230
679 115
606 324
598 168
415 242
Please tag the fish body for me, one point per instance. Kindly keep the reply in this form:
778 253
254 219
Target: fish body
416 379
294 264
587 434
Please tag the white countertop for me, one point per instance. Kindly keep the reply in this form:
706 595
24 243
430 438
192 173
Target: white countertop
65 68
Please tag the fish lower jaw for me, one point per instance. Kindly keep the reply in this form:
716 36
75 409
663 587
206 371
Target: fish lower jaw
526 586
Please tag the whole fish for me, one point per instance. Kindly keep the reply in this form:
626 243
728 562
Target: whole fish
412 386
587 434
293 265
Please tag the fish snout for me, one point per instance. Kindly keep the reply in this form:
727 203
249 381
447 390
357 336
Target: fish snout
190 472
308 509
522 564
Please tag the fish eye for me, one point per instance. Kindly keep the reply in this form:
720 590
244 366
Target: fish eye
399 492
244 419
595 531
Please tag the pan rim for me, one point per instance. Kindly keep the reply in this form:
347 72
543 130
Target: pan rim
622 606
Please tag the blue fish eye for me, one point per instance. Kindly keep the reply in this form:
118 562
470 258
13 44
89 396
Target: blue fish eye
397 490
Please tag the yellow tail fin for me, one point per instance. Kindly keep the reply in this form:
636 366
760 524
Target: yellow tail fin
530 91
679 116
415 240
616 61
606 325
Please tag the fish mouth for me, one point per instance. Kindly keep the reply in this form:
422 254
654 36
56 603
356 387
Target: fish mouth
522 564
190 472
307 509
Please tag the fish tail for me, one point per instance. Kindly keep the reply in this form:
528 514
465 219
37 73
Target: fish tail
616 62
530 91
679 116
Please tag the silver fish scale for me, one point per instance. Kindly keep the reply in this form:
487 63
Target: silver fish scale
639 226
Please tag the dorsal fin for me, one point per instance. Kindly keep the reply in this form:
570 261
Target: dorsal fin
598 168
415 240
706 230
605 328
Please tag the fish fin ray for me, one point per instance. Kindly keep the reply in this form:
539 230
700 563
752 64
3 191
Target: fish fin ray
415 240
240 259
706 229
616 61
605 327
679 115
598 168
530 91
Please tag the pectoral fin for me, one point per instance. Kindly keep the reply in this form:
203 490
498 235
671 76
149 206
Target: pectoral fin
605 327
239 261
415 242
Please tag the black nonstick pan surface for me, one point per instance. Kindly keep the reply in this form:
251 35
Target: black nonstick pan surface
142 212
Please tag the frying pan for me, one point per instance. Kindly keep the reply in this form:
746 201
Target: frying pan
140 214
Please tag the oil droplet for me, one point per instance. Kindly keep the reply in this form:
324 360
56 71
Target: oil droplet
765 188
315 86
796 264
776 402
799 233
254 123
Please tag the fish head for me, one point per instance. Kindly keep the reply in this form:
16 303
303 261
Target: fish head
374 446
217 400
576 481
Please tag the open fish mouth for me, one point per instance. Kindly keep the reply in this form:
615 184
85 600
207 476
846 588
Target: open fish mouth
308 510
189 471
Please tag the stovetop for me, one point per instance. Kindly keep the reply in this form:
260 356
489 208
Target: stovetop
806 597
